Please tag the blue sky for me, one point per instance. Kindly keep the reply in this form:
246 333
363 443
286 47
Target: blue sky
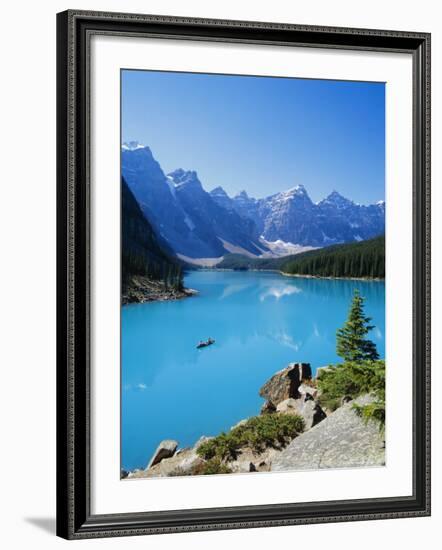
261 134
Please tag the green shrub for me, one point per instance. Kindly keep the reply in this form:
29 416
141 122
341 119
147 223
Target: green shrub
372 412
223 446
354 379
330 404
362 371
258 433
212 466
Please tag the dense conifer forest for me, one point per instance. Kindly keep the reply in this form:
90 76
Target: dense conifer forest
142 254
361 259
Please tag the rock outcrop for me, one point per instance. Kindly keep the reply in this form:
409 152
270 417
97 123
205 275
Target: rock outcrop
308 391
304 406
342 440
249 460
285 383
289 392
268 408
165 449
180 463
141 289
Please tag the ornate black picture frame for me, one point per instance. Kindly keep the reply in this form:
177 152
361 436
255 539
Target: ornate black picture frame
74 518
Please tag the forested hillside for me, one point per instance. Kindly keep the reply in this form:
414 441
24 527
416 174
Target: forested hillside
142 254
362 259
238 262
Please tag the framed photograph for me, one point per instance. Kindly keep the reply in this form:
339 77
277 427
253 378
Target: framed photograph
243 274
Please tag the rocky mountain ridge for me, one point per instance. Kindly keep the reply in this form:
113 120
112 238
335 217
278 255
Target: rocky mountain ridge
182 212
291 216
198 224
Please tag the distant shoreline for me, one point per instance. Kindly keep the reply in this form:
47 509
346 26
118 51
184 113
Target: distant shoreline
373 279
297 275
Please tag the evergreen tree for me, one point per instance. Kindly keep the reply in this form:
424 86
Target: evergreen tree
351 343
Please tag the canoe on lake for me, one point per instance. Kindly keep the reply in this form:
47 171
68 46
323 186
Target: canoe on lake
208 342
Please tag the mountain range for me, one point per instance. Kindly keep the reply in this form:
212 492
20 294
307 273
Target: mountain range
197 224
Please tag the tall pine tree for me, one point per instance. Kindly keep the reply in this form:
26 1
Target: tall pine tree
351 343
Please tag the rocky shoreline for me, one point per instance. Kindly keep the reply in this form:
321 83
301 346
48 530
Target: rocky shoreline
309 437
140 289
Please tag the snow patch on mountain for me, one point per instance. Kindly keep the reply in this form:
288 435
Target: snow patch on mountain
295 192
280 248
234 249
132 146
171 186
327 239
185 178
201 262
189 223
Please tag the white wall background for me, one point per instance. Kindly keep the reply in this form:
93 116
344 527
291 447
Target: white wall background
27 306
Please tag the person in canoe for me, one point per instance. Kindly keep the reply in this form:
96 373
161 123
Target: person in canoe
204 344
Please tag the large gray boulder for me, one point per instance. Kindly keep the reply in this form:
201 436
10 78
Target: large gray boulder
165 449
308 390
342 440
181 463
248 460
285 383
304 406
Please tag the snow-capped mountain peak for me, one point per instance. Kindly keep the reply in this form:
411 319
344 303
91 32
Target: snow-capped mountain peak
335 195
335 199
132 146
185 178
222 198
298 189
297 194
243 202
218 192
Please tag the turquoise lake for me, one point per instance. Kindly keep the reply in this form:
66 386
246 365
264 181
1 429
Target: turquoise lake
261 321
